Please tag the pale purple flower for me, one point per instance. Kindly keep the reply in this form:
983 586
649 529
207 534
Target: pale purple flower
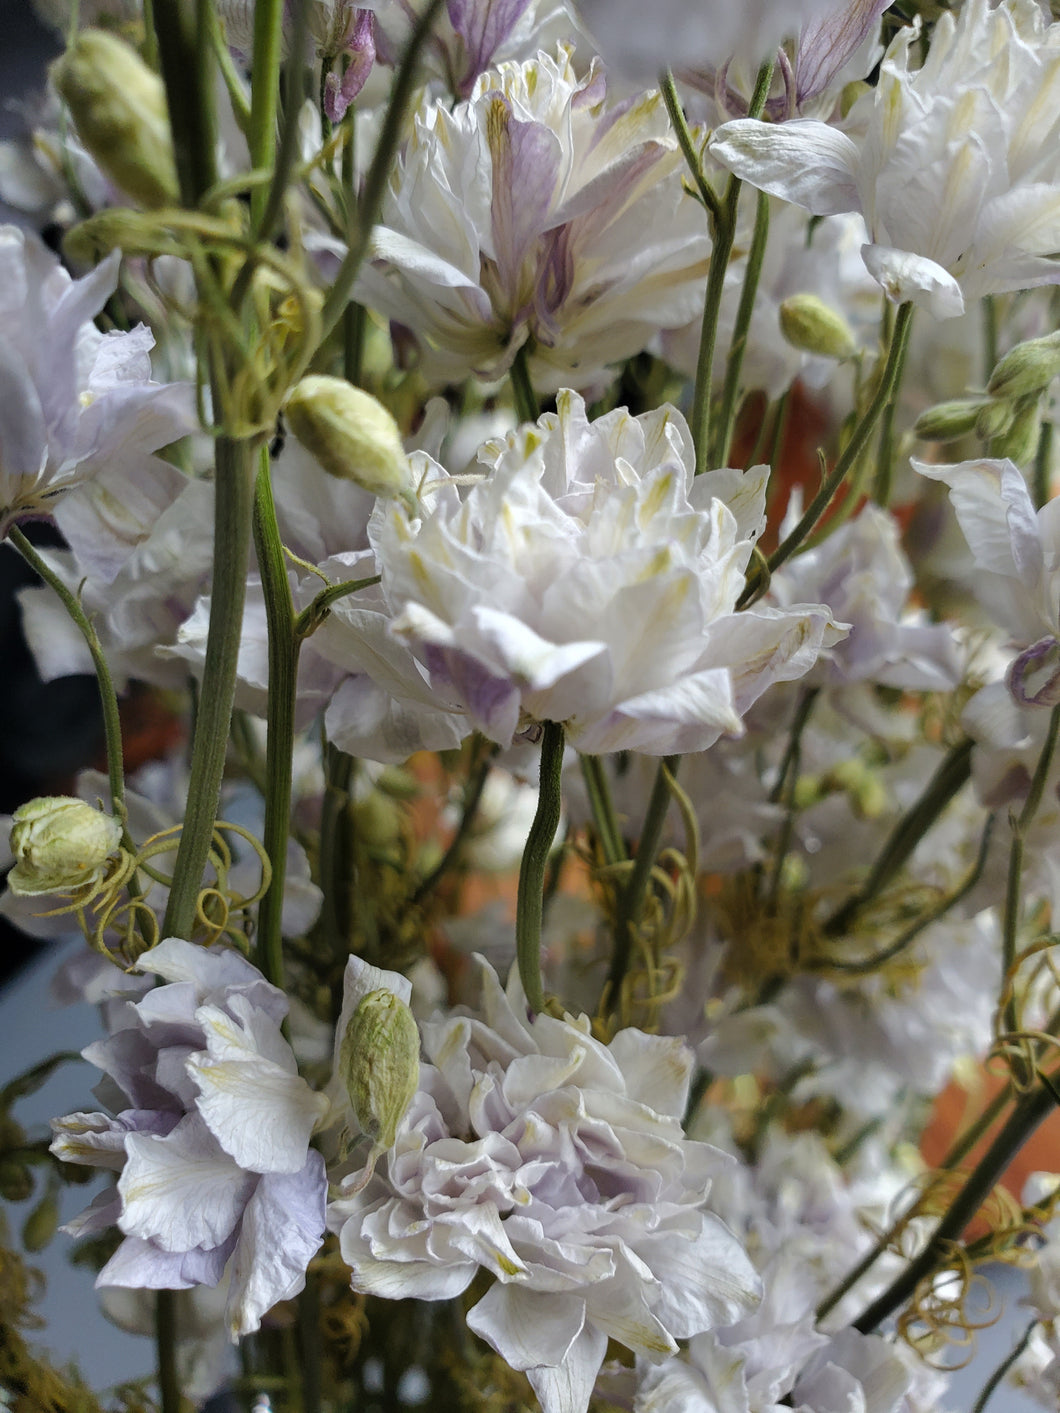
591 579
540 214
79 414
208 1137
954 165
557 1164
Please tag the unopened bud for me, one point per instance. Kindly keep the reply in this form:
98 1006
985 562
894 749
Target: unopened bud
119 109
16 1181
994 420
380 1062
1027 369
350 433
41 1224
1019 441
60 844
813 326
947 421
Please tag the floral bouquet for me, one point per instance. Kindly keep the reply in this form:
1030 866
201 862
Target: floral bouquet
578 480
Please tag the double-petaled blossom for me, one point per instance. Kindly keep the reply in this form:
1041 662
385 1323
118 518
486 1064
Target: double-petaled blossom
78 410
208 1138
557 1164
537 214
955 165
592 579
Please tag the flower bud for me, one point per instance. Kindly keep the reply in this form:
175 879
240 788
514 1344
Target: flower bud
812 326
41 1224
380 1061
60 844
1027 369
994 420
119 109
350 433
947 421
1019 441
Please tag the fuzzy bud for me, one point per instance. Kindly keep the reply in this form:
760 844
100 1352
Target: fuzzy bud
380 1061
812 326
119 109
1019 441
994 420
1027 369
60 844
350 433
947 421
41 1224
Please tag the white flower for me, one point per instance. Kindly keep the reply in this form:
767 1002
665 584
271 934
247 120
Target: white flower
212 1153
955 165
77 406
559 1165
592 579
537 213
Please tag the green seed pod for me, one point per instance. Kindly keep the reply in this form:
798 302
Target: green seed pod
41 1224
811 325
1027 369
947 421
380 1062
350 433
60 844
119 109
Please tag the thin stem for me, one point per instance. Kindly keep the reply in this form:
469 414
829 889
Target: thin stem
965 1142
1042 459
234 496
851 451
785 787
724 234
603 808
683 134
108 697
286 156
379 171
881 486
951 775
731 390
526 404
264 98
631 902
183 29
530 900
166 1350
989 335
282 701
476 783
993 1383
1027 1116
314 614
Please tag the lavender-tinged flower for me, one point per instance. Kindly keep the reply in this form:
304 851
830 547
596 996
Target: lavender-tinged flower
955 165
537 214
592 579
209 1138
558 1165
78 412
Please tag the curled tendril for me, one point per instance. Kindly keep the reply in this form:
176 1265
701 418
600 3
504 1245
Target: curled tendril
1018 1046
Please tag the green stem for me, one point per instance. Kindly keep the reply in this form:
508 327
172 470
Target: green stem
951 775
785 788
284 158
993 1383
851 451
314 614
166 1350
881 486
603 809
965 1142
264 98
730 393
707 193
631 902
529 903
183 28
1028 1115
526 404
282 701
234 496
108 697
310 1344
379 171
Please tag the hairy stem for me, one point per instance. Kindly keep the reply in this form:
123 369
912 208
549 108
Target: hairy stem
529 903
